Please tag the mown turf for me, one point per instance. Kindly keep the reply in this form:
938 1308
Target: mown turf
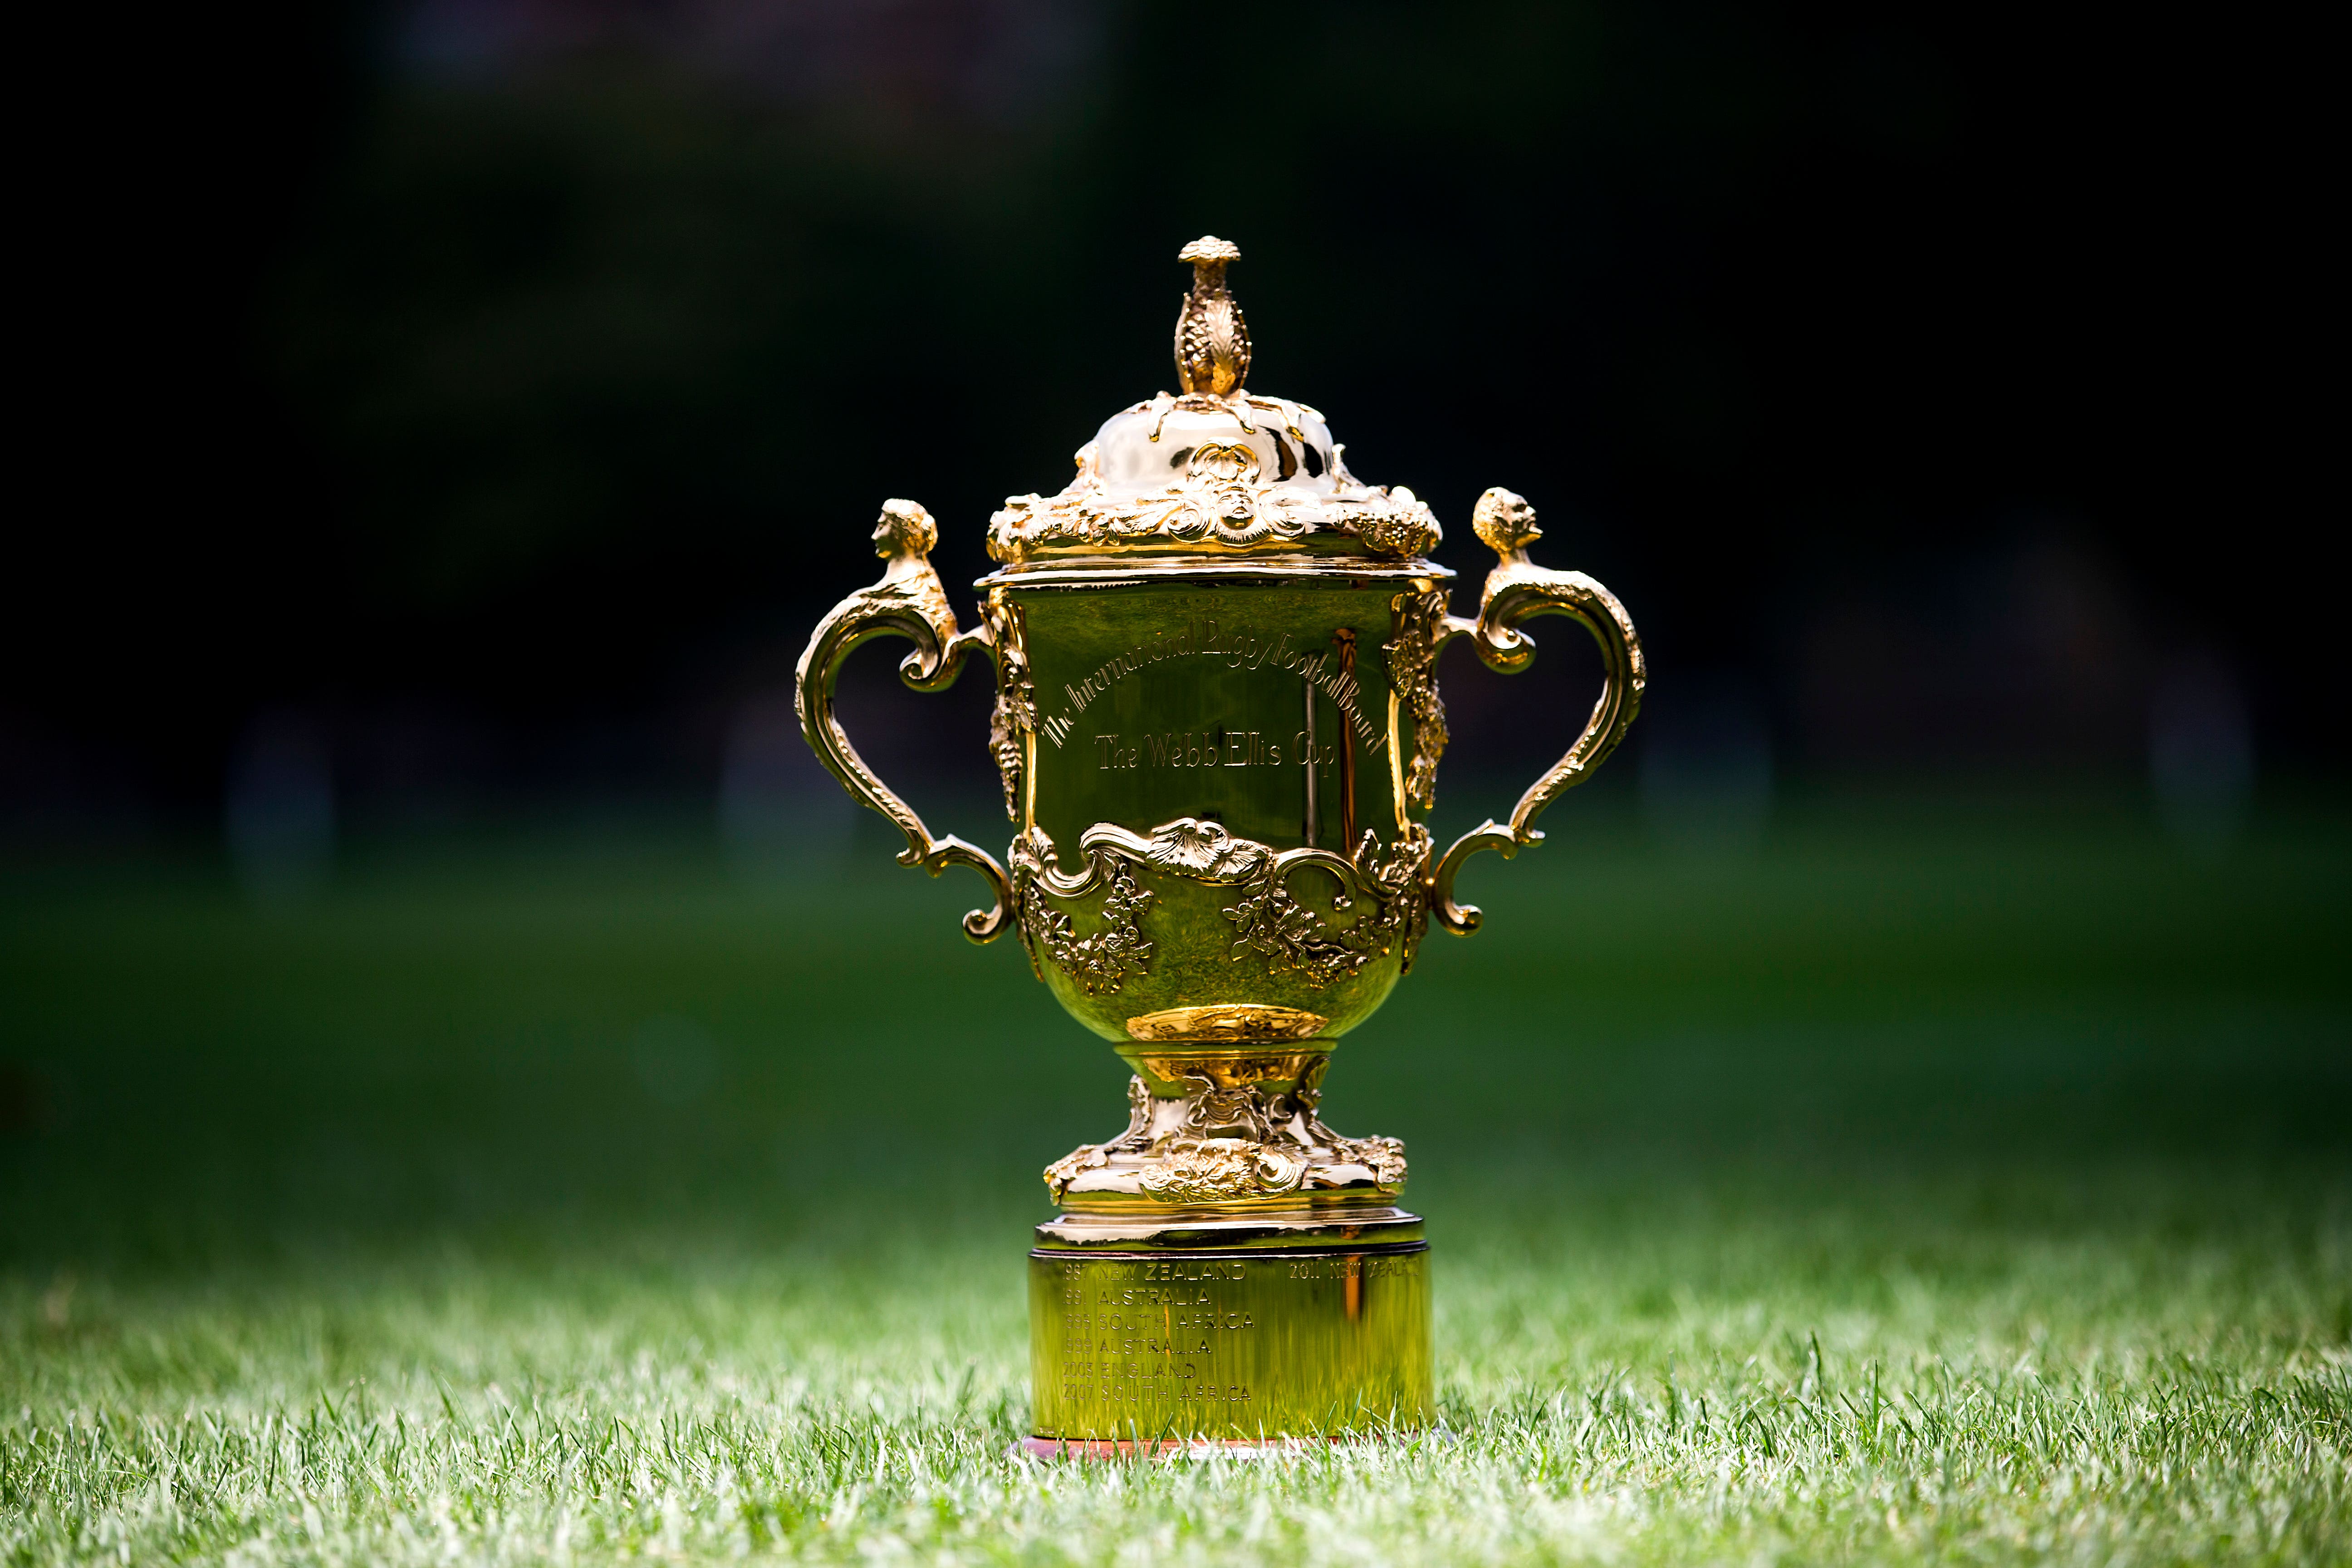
1940 1183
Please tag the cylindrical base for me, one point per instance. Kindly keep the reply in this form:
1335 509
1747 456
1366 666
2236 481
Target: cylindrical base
1171 1346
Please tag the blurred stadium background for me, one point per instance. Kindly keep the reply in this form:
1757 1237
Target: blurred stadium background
462 409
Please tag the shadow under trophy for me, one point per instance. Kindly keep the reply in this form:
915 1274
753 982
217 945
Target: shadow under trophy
1218 726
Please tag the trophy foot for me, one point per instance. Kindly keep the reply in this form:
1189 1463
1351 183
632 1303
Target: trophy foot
1227 1271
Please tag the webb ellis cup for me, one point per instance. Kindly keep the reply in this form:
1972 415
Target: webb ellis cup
1218 726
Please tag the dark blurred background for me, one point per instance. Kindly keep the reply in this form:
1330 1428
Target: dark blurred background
461 406
447 419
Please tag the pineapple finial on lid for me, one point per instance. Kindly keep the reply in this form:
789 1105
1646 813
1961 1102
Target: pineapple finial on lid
1213 345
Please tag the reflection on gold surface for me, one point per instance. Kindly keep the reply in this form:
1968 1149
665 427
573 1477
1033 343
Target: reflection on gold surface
1228 1021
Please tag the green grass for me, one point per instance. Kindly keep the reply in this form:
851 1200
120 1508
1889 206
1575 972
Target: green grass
1941 1184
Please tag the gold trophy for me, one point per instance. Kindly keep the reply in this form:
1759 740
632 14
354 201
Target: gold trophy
1218 726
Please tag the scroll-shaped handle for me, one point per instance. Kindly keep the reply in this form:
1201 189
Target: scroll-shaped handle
1518 590
908 602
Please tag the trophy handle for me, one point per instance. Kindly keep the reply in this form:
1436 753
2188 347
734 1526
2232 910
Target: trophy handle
908 602
1517 590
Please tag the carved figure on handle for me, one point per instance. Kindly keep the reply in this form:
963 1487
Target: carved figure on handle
908 602
1518 590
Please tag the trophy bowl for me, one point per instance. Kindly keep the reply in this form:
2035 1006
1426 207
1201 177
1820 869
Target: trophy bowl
1218 728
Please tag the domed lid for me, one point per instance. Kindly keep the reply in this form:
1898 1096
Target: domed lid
1213 468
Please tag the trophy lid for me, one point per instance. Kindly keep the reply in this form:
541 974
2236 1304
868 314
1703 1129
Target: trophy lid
1213 469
